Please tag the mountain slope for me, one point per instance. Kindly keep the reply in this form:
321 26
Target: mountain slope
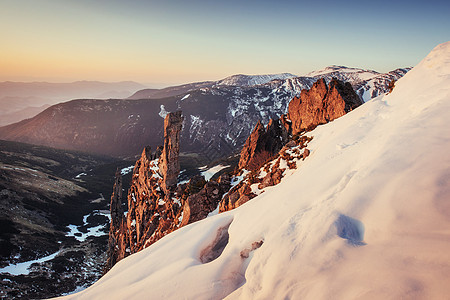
365 216
42 191
18 96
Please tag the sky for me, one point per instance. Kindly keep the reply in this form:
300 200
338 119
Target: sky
160 43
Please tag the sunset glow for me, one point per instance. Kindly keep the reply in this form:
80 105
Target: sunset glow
168 42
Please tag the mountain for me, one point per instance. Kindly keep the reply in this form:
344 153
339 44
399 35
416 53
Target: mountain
19 96
363 216
218 118
234 80
368 84
248 80
169 91
22 114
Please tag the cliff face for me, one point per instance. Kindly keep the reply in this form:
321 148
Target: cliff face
321 104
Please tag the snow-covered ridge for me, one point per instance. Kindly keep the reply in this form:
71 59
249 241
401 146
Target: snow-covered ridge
366 215
363 74
249 80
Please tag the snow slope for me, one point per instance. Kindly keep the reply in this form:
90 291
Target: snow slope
367 215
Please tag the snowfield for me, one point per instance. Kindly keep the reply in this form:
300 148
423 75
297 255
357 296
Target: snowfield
366 216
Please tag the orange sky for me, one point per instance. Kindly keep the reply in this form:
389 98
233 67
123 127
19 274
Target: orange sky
168 42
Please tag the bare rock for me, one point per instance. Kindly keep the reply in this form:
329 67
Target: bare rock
321 104
169 164
263 144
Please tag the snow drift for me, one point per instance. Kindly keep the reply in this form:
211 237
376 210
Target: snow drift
367 215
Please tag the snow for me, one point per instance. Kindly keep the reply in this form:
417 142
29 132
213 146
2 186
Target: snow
185 97
126 170
22 268
360 73
367 215
250 80
163 113
91 231
209 173
82 236
81 174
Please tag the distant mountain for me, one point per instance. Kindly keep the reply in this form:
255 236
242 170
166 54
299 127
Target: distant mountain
218 118
77 89
169 91
234 80
248 80
22 114
18 96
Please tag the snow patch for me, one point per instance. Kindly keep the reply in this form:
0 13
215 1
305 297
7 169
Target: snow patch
209 173
22 268
163 112
126 170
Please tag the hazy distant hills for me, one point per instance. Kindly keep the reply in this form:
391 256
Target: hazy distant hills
218 116
20 100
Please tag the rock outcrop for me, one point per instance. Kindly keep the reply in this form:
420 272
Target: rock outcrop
156 204
318 105
115 250
197 206
169 165
321 104
250 184
263 144
152 208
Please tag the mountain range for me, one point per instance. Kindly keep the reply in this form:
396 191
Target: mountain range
219 115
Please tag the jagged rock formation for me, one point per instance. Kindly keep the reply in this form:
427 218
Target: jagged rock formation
321 104
263 143
156 205
318 105
151 210
251 184
199 205
169 165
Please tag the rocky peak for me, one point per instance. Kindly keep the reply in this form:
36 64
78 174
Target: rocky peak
263 144
321 104
169 164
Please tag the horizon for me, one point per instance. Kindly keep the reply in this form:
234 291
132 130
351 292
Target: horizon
165 43
162 86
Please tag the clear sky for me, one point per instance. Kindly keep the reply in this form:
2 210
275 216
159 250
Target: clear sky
170 42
